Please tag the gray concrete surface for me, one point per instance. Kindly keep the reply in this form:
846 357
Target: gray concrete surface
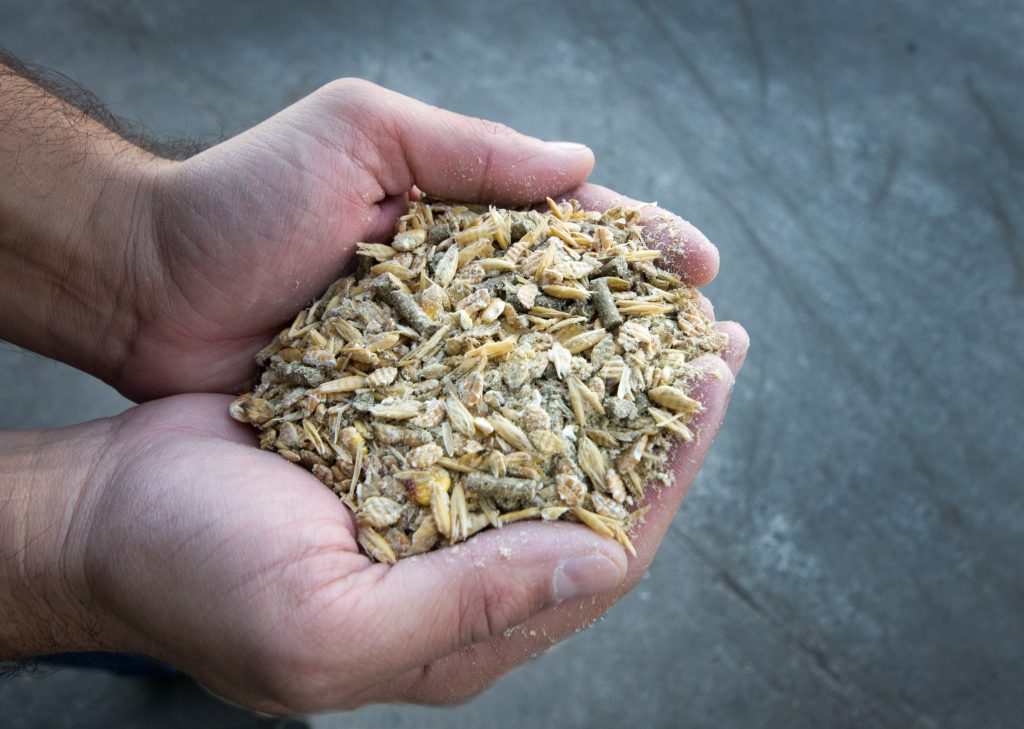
853 553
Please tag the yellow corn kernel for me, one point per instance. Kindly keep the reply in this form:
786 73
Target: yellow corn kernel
424 481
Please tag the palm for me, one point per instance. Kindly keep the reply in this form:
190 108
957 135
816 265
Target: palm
242 569
217 542
248 233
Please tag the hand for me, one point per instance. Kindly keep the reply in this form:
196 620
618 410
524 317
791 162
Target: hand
164 277
247 233
164 531
243 570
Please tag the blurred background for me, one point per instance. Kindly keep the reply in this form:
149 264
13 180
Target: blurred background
852 554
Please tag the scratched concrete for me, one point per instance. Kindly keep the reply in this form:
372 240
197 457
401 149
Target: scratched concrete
851 555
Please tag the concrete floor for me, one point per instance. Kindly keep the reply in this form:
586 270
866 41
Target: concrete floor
853 553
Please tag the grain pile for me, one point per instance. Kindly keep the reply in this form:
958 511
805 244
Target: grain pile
487 366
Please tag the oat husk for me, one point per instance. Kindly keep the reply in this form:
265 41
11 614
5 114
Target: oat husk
488 366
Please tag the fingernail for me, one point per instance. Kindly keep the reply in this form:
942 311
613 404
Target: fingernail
586 576
567 146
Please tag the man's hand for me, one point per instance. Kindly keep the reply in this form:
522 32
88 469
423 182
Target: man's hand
168 533
249 232
243 570
164 277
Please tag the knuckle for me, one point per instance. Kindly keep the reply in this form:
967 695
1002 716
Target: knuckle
489 128
490 605
350 89
369 115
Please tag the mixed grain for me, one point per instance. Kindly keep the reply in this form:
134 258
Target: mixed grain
488 366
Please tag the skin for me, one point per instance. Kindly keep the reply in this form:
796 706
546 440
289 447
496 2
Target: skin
164 530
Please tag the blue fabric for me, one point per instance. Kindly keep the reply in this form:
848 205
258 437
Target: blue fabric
123 664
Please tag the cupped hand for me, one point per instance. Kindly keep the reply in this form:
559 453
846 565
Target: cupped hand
247 233
242 569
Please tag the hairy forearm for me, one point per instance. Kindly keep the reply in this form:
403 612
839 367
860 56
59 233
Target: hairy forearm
45 484
73 205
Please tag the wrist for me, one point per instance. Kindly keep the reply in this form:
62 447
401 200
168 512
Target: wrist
118 256
48 482
74 227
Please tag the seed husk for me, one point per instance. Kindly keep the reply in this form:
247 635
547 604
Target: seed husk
343 384
585 341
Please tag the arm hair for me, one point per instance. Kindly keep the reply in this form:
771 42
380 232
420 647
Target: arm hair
76 95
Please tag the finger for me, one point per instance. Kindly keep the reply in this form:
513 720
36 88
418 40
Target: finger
406 142
706 306
207 413
737 345
389 210
690 254
713 389
438 603
462 675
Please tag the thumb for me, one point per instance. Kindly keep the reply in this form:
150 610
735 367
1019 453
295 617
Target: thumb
440 602
405 142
